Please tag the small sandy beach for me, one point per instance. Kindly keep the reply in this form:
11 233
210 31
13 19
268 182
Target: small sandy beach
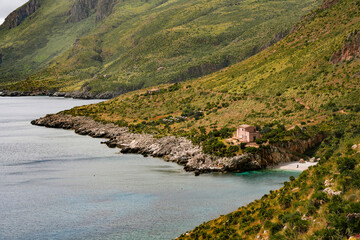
293 166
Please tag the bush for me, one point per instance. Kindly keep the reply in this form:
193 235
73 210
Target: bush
232 150
311 209
243 145
250 150
276 227
214 146
260 141
326 233
294 220
345 164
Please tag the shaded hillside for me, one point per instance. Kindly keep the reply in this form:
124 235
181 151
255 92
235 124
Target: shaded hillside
34 35
111 45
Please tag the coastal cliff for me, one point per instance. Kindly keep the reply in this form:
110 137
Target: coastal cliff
179 150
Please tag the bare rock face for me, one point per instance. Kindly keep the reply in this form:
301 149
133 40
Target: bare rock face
173 149
82 9
328 3
104 8
350 49
18 16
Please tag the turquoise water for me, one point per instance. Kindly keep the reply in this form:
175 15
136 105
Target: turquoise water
55 184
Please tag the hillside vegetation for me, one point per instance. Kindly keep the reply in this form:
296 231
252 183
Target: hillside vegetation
118 46
322 203
309 79
294 82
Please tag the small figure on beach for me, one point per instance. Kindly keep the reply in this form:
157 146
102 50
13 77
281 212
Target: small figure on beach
297 166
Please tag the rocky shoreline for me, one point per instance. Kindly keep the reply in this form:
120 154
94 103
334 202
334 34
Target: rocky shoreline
76 95
179 150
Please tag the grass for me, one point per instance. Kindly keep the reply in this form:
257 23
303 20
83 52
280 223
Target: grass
301 209
292 83
142 43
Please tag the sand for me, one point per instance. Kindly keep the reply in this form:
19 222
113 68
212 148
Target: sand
293 166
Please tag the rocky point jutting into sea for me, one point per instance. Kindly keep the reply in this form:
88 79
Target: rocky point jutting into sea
178 149
84 94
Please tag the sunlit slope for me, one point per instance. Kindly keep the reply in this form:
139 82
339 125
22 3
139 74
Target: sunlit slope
295 81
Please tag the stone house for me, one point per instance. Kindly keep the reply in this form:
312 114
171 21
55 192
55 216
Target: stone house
246 133
153 91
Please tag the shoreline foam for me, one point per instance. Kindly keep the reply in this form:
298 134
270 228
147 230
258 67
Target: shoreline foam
293 166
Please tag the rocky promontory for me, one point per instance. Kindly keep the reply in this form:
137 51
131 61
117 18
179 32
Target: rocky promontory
77 95
177 149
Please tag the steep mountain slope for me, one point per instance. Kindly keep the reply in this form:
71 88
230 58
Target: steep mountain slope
309 79
294 81
112 45
35 34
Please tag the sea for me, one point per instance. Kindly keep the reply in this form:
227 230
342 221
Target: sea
55 184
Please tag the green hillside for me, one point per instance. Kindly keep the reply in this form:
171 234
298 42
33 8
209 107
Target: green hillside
118 46
321 204
310 79
293 82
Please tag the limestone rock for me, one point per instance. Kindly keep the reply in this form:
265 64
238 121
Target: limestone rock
19 15
331 192
82 9
350 49
173 149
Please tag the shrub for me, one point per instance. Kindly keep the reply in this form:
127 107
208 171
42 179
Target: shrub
276 227
250 150
294 220
345 164
260 141
243 145
232 150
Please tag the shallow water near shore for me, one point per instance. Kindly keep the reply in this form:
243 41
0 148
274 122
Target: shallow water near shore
55 184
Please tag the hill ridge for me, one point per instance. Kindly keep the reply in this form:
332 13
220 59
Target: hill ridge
143 43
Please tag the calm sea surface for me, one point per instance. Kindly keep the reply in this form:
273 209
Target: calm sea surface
55 184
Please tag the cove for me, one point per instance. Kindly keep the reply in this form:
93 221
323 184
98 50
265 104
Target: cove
55 184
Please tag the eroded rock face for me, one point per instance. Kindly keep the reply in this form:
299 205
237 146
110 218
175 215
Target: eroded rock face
173 149
18 16
82 9
104 8
350 49
328 3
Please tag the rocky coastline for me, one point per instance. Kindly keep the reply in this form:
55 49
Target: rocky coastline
178 150
76 95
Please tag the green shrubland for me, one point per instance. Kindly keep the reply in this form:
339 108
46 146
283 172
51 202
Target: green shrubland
291 90
140 43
